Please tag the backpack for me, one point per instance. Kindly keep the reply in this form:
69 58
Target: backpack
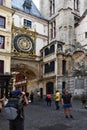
11 109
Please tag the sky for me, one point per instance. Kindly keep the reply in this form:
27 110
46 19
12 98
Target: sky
36 3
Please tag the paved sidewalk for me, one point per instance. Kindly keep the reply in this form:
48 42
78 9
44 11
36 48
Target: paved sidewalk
38 116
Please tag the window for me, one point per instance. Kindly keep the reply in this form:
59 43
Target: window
52 49
49 50
85 34
53 29
76 2
27 4
1 66
59 47
52 7
63 67
49 88
46 68
50 67
27 23
1 2
2 42
2 22
46 51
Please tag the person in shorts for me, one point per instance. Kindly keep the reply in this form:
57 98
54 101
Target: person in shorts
67 103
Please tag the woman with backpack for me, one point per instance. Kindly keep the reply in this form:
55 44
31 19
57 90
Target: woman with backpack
18 123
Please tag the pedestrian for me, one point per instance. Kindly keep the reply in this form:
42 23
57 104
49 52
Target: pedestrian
48 99
67 103
57 99
27 95
18 123
32 96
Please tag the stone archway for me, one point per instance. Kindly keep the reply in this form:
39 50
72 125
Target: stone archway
28 68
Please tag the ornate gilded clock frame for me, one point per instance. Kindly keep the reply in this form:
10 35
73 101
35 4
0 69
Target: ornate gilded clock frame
26 32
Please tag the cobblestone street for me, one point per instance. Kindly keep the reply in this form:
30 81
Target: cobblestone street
40 117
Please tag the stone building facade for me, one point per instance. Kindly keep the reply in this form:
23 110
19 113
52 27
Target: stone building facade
5 35
45 48
29 36
66 18
5 41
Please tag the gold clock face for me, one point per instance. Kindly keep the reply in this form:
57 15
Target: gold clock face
23 43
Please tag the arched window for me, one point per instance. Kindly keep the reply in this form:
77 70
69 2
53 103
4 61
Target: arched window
59 47
52 48
46 51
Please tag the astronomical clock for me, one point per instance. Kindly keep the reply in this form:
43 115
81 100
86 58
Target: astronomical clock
23 43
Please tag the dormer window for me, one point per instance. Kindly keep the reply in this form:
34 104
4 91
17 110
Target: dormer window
27 4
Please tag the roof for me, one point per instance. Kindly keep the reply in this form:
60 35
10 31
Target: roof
27 6
82 17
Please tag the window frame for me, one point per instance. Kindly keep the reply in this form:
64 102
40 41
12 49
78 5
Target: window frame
76 4
4 21
2 38
53 29
27 23
85 34
52 7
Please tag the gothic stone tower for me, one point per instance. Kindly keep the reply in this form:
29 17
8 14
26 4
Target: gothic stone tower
63 15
